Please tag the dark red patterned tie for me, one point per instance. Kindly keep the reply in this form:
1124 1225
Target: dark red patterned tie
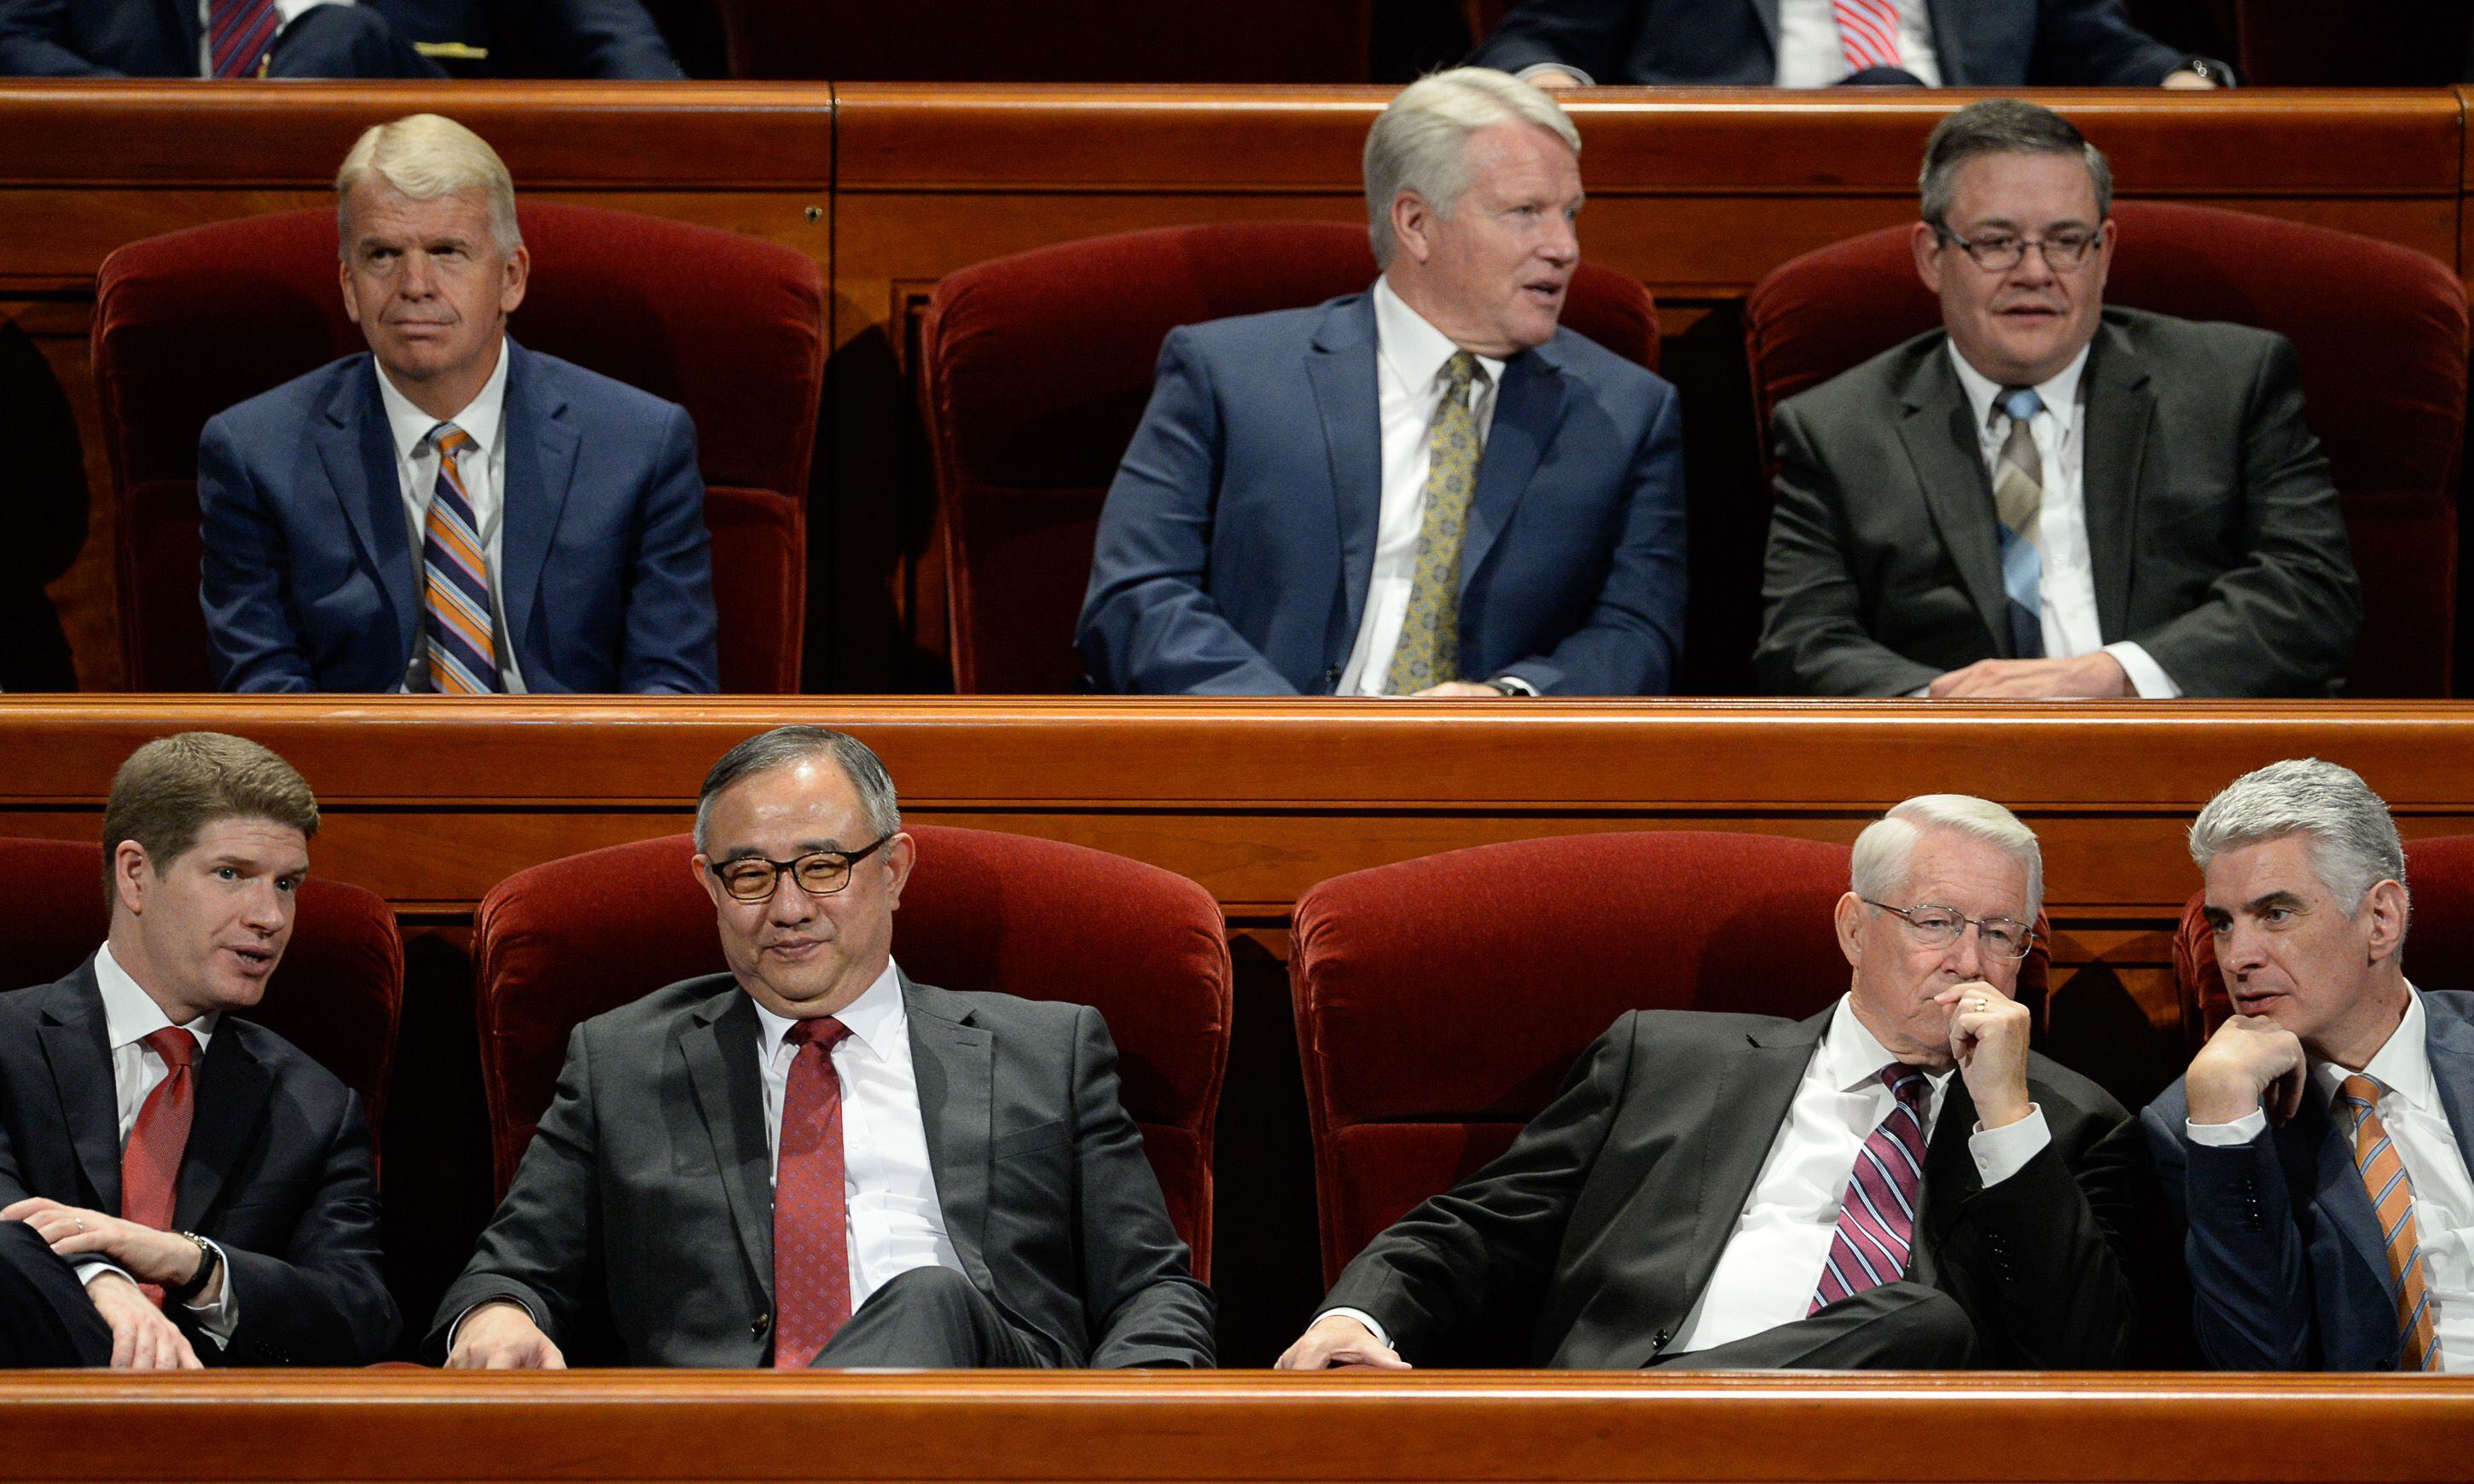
149 1165
811 1218
238 32
1877 1220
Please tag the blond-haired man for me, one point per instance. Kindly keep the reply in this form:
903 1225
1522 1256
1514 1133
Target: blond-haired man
450 512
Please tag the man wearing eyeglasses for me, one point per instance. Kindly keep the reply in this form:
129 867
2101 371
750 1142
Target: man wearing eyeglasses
2047 497
1896 1183
814 1159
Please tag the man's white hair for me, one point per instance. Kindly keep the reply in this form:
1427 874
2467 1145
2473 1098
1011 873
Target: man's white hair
1887 851
2353 842
1419 144
423 157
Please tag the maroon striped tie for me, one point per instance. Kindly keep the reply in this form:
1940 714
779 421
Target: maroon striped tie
1877 1219
1868 33
238 32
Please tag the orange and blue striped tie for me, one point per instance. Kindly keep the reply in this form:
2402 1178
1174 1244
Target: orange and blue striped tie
456 605
2392 1198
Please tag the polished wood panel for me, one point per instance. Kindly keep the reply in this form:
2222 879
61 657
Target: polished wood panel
1472 1425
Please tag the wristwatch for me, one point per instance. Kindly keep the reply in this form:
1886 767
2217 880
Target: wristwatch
211 1258
2210 68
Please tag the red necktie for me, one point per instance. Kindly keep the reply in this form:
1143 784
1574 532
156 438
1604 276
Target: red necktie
150 1166
810 1219
1868 33
238 32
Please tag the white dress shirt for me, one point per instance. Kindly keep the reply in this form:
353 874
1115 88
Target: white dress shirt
286 12
1809 53
2059 534
130 1015
484 470
2443 1194
1410 355
896 1223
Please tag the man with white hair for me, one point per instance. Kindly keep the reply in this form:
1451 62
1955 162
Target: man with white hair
1897 1181
2316 1147
450 513
1429 489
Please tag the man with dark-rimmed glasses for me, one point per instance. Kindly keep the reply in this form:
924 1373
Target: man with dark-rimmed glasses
1897 1181
2047 497
779 1165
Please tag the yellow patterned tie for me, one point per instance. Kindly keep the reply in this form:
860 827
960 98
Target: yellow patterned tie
1430 634
2392 1198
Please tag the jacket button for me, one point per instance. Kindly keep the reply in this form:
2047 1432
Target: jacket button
1331 678
1659 1340
757 1328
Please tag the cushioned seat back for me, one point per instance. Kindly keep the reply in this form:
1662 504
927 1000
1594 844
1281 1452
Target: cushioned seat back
565 941
2381 331
191 323
338 994
1441 1002
1036 371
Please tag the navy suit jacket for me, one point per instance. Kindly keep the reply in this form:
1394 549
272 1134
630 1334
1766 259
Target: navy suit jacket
311 582
590 38
2289 1271
278 1171
1238 540
1978 43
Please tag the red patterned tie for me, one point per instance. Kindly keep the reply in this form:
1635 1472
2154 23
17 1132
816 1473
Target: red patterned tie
1868 33
811 1220
238 32
150 1166
1877 1219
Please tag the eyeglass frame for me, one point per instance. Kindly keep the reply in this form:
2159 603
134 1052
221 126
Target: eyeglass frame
790 869
2026 930
2044 246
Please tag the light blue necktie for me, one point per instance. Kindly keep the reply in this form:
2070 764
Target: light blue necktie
2018 495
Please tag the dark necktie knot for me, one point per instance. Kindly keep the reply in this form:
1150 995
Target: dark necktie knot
1906 1082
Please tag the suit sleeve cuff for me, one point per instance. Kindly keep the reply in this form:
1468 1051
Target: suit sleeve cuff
1373 1325
2146 676
88 1272
1529 74
2004 1152
2227 1136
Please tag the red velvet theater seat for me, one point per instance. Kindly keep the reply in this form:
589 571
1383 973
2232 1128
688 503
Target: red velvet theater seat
1441 1002
2438 943
728 327
564 942
2381 331
337 995
1026 440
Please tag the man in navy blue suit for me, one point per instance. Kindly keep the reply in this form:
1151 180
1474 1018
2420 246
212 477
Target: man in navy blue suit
450 512
2317 1148
324 38
1429 489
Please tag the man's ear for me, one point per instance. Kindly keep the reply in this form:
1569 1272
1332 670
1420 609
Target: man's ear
1850 921
1413 224
1927 245
701 868
132 876
901 853
2384 911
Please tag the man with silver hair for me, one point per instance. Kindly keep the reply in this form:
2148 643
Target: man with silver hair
450 513
1429 489
1896 1182
2315 1150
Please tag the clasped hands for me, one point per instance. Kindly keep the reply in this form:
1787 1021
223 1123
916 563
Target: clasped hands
142 1338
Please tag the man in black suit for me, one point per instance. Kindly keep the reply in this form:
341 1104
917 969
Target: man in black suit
2048 498
1817 43
177 1186
814 1159
314 38
1737 1191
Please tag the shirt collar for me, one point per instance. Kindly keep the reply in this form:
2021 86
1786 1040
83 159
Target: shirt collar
2060 395
479 418
1413 348
2402 1065
1852 1057
875 1018
130 1015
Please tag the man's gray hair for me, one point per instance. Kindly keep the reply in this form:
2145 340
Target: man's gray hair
1887 851
2353 842
784 746
2003 126
426 156
1419 144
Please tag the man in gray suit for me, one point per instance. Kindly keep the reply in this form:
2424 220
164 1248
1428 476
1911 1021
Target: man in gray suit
2048 498
2317 1148
814 1159
1737 1191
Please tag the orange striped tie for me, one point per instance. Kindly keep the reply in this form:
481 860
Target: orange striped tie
2392 1197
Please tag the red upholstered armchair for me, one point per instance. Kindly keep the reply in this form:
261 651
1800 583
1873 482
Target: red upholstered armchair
2439 944
1026 440
338 994
1441 1002
564 942
729 327
2381 331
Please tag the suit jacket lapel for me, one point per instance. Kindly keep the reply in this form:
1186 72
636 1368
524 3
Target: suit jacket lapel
357 449
2451 1042
1939 433
2337 1183
2120 407
1340 368
1948 18
185 25
1528 411
231 1097
77 1045
1767 11
1756 1089
541 466
1951 1180
955 1064
720 1043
